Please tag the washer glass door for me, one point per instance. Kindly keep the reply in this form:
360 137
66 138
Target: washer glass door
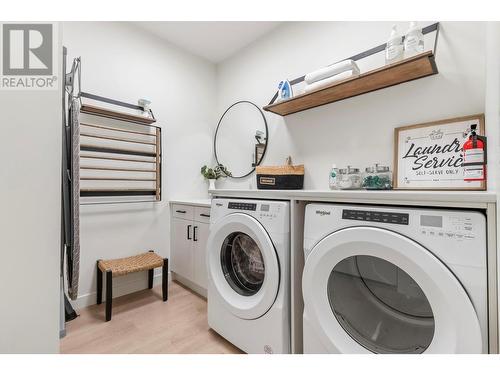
380 306
242 264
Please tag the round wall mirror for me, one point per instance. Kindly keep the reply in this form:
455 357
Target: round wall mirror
241 138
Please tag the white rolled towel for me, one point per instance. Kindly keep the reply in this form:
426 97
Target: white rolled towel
328 81
331 70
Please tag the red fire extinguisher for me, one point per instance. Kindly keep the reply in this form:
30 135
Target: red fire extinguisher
475 156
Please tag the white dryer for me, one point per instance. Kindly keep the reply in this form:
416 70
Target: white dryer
394 280
248 254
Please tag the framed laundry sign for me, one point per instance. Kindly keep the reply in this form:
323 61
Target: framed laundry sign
429 156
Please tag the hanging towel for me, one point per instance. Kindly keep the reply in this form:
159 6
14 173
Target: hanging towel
73 251
331 70
328 81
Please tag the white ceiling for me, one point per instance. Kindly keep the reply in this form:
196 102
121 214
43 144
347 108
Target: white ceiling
214 41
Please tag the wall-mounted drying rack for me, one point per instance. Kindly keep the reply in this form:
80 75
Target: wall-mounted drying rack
120 152
409 69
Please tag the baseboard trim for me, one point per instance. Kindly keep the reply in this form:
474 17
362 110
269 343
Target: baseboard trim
202 292
119 289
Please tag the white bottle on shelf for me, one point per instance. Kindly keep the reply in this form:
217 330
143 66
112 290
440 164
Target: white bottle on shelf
394 48
414 40
332 182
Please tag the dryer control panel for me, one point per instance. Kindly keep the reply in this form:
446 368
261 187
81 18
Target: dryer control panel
376 216
457 227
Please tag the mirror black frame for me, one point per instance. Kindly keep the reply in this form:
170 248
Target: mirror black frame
267 136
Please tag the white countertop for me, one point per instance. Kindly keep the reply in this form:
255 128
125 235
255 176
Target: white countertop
471 199
200 202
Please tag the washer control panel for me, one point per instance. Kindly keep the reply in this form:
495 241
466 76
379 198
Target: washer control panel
273 215
242 206
376 216
262 210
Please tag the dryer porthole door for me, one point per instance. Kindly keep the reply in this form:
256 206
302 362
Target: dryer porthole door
243 265
371 290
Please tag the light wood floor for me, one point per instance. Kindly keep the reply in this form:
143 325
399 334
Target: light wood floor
143 323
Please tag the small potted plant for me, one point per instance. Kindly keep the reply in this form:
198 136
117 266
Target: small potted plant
212 174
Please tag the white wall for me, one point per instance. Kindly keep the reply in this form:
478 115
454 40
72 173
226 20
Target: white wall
121 61
357 131
30 201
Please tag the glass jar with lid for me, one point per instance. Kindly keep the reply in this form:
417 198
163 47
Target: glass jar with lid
349 178
380 178
368 177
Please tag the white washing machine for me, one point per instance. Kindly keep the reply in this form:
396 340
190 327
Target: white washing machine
394 280
248 254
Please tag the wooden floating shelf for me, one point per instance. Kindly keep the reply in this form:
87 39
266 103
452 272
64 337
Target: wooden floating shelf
104 112
415 67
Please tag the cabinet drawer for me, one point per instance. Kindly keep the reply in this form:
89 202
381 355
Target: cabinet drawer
183 211
202 214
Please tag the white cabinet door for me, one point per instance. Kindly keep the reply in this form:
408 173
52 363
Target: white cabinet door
182 248
199 254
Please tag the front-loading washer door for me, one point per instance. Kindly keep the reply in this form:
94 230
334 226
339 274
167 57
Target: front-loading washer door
243 265
370 290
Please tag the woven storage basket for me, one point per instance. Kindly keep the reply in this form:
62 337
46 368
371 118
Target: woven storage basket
285 177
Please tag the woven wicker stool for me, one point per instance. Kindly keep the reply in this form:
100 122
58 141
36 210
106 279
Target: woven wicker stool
123 266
